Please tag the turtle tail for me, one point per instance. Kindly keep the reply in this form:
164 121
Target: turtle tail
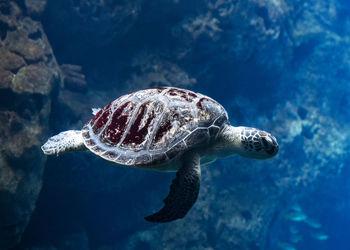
66 141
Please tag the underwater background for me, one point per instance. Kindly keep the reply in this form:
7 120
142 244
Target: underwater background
279 65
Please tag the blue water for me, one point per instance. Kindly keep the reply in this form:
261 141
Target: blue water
324 204
293 82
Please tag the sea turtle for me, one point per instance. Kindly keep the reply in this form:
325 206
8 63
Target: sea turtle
165 129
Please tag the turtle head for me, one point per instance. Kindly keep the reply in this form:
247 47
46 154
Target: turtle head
256 143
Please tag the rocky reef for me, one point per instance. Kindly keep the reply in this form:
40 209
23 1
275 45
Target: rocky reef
280 65
28 75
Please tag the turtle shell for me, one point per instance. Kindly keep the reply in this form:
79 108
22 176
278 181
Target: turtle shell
152 126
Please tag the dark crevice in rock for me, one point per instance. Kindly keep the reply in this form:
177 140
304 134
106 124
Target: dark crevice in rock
25 105
4 27
15 71
14 123
49 58
7 99
22 6
36 35
27 162
14 228
5 7
28 61
32 107
36 61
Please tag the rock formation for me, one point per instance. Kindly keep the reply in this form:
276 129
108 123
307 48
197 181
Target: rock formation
28 75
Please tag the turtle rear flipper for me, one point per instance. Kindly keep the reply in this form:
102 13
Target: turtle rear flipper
183 191
70 140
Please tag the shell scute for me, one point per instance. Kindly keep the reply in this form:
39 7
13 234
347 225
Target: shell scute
180 94
198 136
114 131
163 128
103 118
152 126
175 124
221 120
213 131
142 125
177 149
208 111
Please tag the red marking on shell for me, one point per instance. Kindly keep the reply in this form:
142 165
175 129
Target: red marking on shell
101 121
136 134
96 116
190 93
99 114
131 94
199 103
159 89
114 131
185 95
162 130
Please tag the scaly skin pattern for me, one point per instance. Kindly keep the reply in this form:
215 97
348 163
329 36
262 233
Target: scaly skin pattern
66 141
245 141
148 128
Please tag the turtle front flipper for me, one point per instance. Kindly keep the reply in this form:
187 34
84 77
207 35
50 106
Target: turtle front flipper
183 191
70 140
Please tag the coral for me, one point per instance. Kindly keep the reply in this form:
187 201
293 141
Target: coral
153 71
34 78
203 25
97 22
6 78
35 7
10 61
73 78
